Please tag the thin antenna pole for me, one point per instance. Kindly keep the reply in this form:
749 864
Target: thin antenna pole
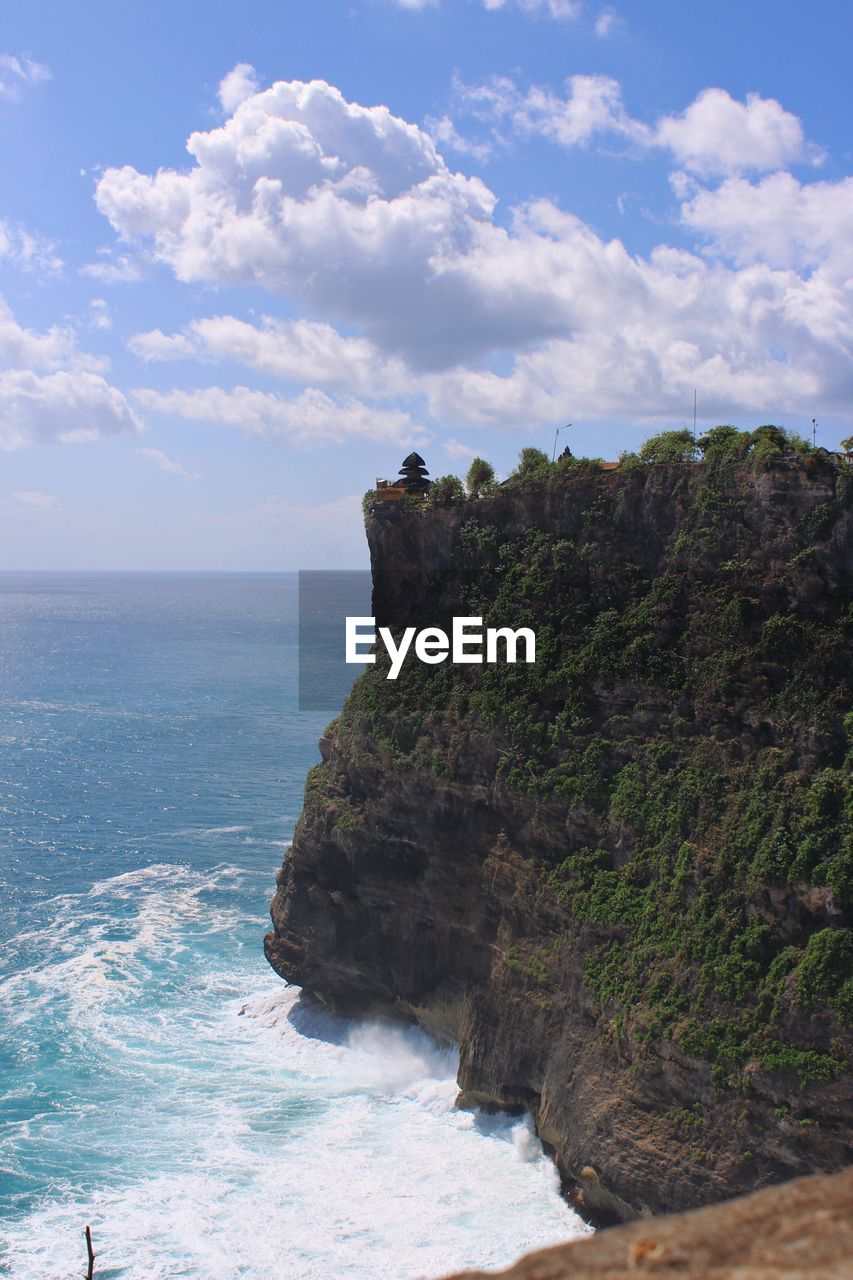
694 415
814 433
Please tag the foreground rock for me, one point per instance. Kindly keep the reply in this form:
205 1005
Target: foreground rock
802 1230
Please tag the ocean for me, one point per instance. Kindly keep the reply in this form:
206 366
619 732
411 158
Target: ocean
158 1081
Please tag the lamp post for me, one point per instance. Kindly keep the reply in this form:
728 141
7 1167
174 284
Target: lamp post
556 433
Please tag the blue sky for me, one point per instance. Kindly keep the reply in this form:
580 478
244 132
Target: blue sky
250 256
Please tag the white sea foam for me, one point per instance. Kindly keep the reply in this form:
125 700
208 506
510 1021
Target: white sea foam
214 1123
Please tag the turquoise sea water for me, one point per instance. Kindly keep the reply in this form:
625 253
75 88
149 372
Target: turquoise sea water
156 1079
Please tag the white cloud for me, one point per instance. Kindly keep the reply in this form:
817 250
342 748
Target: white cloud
303 351
115 268
166 464
778 220
719 135
240 83
554 8
715 135
591 107
443 131
156 345
32 498
100 316
296 350
19 72
68 407
348 209
605 23
54 348
418 292
311 417
594 106
50 390
29 252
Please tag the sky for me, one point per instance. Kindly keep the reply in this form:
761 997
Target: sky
251 256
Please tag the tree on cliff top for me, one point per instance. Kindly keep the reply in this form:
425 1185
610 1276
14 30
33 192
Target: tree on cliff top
480 478
669 446
446 489
533 464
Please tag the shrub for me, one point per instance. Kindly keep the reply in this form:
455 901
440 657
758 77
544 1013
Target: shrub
669 446
445 490
532 462
724 444
827 963
480 478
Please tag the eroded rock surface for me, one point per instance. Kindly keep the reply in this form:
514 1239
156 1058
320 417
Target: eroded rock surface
610 888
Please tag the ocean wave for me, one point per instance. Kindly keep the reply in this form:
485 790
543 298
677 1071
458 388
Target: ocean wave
306 1156
208 1121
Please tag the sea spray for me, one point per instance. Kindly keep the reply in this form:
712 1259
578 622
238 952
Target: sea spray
158 1081
212 1119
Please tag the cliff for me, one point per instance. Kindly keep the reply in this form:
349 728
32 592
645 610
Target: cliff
620 878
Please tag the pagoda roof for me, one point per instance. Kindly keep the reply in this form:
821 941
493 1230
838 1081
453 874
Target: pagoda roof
414 460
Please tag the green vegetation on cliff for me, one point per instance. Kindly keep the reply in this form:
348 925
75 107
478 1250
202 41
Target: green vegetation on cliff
690 701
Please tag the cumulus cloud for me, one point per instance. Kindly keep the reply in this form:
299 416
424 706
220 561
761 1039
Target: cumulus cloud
719 135
50 390
53 348
348 209
166 464
157 345
19 72
593 107
778 220
33 498
715 135
418 292
65 407
308 418
240 83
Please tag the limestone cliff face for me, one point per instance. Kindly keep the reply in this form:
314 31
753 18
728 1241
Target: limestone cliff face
616 882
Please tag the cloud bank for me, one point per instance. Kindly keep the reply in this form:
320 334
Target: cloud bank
414 284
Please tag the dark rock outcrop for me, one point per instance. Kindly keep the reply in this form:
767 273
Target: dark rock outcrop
430 881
